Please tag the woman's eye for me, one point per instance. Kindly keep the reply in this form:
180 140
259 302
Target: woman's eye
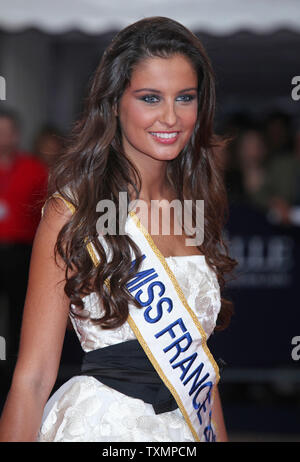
150 99
187 98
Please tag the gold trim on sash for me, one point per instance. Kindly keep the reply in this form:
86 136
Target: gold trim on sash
135 329
71 206
68 204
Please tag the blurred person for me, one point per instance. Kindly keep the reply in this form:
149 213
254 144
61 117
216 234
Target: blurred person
48 144
277 128
252 155
23 185
147 131
280 191
246 168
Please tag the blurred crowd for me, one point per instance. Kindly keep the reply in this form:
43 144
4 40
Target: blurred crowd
262 165
23 188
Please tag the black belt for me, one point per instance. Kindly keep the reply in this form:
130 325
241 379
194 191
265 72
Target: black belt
126 368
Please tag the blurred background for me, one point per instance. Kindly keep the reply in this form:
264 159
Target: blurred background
48 53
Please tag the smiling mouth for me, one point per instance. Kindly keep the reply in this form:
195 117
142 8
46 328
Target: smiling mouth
165 135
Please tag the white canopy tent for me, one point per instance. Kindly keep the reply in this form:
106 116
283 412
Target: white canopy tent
98 16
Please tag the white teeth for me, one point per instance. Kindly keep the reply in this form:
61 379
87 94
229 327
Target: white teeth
165 135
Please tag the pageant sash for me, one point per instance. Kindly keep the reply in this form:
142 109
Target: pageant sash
170 332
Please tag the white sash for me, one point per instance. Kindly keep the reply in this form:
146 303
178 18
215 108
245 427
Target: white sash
170 333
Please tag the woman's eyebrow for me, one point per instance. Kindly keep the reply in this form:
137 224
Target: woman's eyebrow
158 91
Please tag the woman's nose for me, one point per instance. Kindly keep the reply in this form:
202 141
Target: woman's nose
168 115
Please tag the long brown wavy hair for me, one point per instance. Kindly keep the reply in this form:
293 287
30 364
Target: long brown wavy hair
94 167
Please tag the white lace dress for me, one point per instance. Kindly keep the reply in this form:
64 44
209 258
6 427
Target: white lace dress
85 410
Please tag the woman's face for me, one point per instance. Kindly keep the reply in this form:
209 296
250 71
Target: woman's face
158 111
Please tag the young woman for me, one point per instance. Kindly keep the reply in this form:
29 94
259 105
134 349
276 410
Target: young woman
147 374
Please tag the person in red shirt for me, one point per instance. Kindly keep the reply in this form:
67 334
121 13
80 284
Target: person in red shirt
23 187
